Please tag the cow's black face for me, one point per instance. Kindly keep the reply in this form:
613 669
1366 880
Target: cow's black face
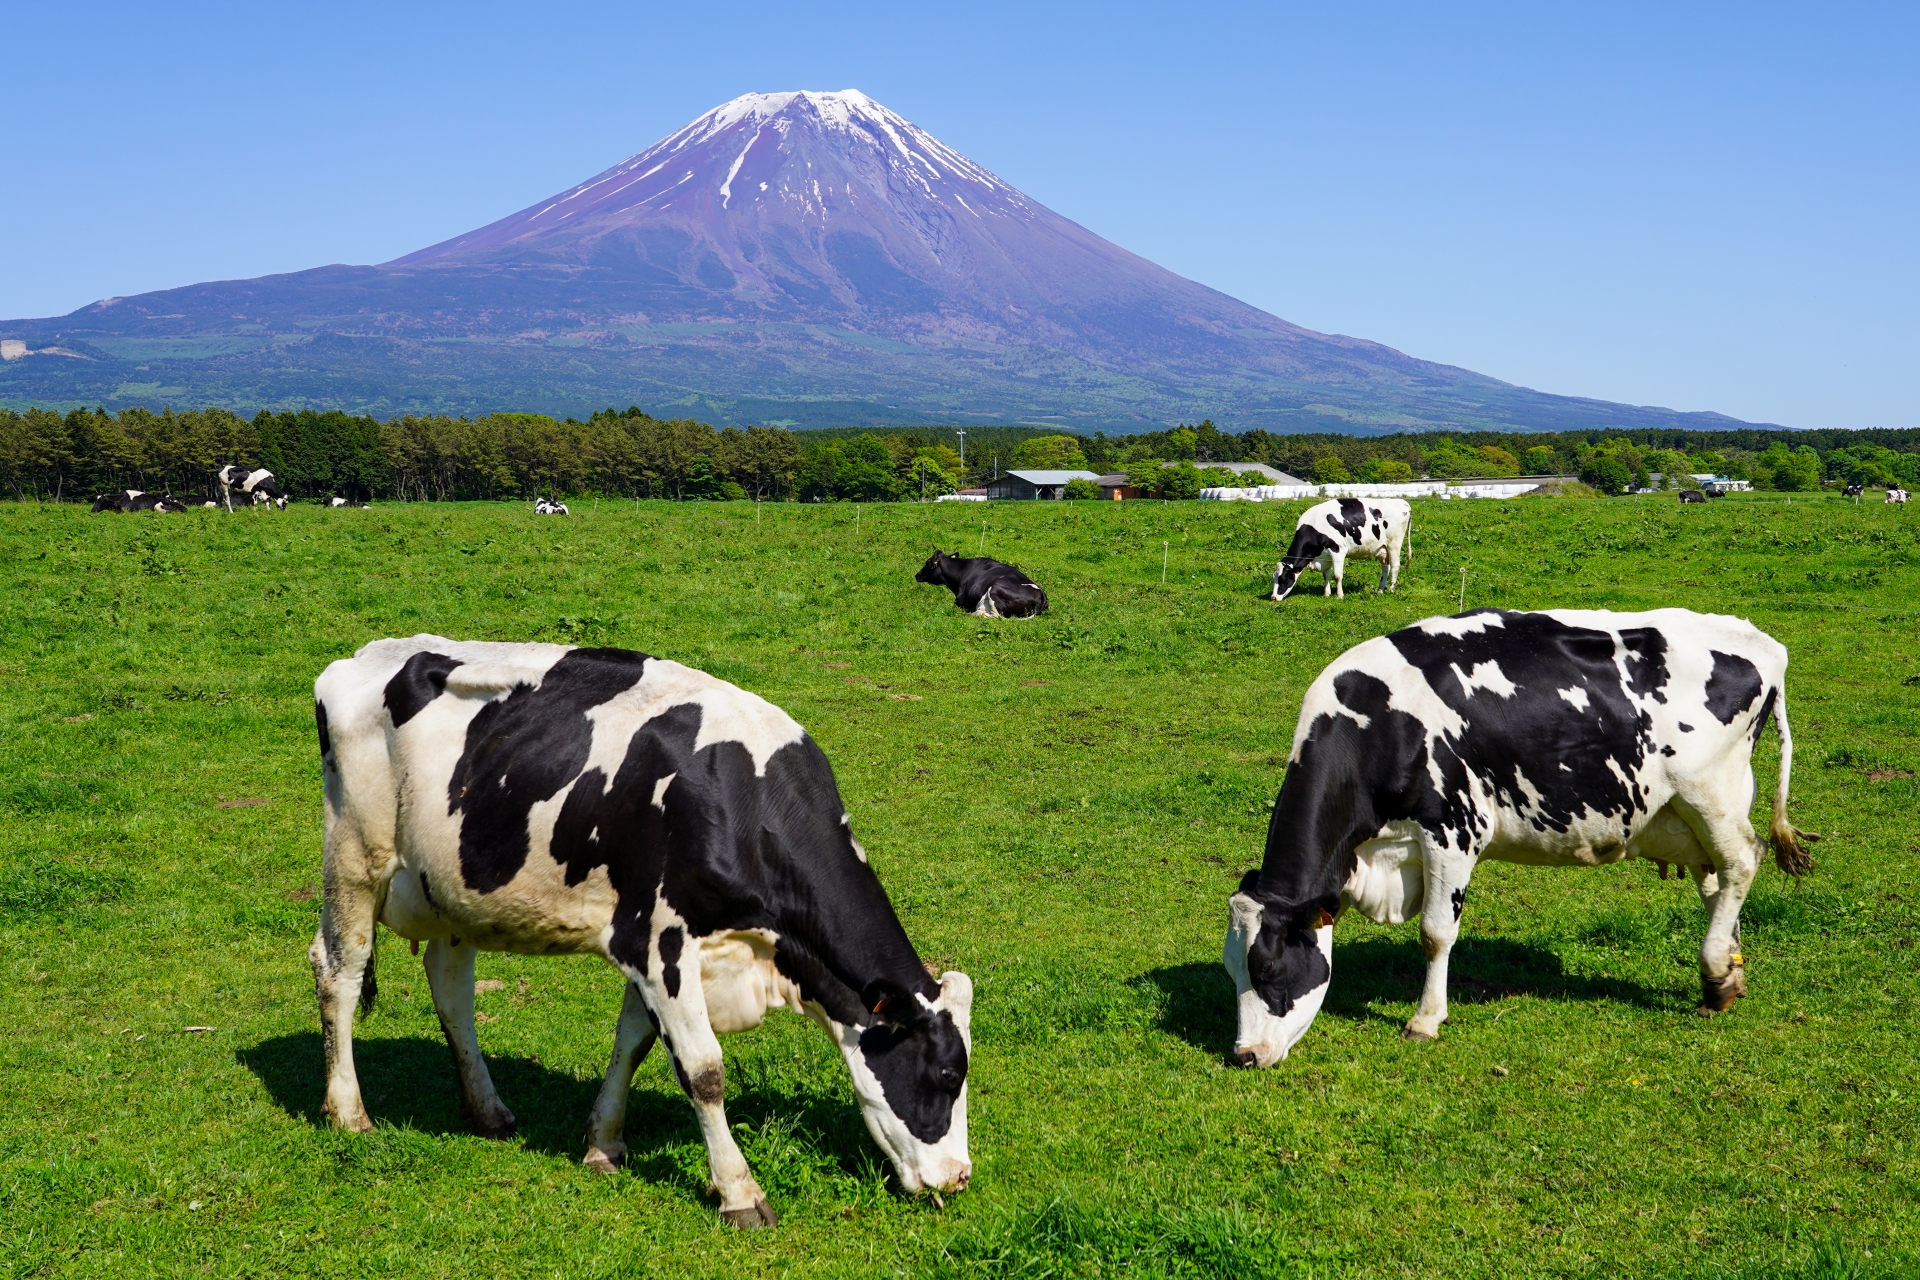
910 1069
931 570
921 1065
1285 579
1281 961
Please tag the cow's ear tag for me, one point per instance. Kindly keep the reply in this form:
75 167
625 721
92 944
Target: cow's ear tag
1326 918
880 1006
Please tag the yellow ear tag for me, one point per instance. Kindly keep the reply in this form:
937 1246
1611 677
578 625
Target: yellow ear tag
1738 958
1326 918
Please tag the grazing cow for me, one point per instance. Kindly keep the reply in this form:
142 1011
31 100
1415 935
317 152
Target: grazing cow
1896 494
550 507
1692 495
137 500
983 587
1855 489
1329 532
255 484
1566 738
544 799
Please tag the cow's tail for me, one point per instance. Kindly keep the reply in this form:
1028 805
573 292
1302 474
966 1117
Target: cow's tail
369 984
1788 841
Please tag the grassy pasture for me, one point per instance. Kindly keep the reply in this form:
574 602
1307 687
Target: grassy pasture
1058 806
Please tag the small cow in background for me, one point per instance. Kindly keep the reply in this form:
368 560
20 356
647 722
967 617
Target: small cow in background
1855 489
1333 530
256 485
549 507
1896 494
137 500
984 587
1692 495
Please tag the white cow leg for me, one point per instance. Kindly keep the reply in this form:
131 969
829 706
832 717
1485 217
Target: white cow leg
1446 895
1723 891
1393 565
449 965
697 1065
340 954
631 1040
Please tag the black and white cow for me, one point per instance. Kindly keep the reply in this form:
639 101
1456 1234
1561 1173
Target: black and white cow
545 799
1564 738
987 588
1691 495
1330 531
137 500
1896 494
255 484
550 507
1854 490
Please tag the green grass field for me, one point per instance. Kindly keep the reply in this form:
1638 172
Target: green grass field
1058 806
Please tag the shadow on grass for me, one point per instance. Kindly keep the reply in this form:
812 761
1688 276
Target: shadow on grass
1199 1006
409 1083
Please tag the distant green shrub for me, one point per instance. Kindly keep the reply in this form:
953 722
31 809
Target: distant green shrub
1082 489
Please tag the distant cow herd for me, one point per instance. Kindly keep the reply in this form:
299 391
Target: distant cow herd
550 799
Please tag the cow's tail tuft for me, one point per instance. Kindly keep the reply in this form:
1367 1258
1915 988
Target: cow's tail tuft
1788 841
369 984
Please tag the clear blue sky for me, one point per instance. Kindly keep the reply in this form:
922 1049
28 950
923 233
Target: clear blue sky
1697 206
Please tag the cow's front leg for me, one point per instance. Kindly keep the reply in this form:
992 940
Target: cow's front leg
606 1149
681 1016
1446 875
1722 891
449 965
340 954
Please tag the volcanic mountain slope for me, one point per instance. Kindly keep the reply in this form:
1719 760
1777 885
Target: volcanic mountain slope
810 258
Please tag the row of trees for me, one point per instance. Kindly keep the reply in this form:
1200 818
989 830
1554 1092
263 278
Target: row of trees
50 455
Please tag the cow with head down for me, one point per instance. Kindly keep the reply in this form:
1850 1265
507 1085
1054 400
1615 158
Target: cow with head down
1569 738
546 799
255 484
1327 533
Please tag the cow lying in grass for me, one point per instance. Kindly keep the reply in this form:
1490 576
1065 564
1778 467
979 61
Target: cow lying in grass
544 799
1569 738
987 588
1329 532
137 500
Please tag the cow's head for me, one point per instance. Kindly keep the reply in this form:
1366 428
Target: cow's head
934 570
1281 960
909 1068
105 502
1286 576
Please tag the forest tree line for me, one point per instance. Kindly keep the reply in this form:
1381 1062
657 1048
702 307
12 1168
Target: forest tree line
46 455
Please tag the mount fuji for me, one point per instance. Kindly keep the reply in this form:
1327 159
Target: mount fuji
811 259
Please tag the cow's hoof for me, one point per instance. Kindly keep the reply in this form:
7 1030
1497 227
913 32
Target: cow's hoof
498 1128
607 1159
1718 994
758 1214
1419 1037
360 1123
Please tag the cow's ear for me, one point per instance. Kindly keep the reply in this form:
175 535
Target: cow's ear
889 1001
